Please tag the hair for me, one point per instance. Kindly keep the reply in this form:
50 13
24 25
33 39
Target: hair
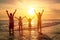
39 13
20 17
11 14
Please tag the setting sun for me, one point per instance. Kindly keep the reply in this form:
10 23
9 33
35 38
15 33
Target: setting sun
31 11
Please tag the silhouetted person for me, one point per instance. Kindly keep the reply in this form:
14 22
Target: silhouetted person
41 36
39 16
29 22
20 25
29 25
20 22
11 22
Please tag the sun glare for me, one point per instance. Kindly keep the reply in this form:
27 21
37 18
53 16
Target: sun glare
31 11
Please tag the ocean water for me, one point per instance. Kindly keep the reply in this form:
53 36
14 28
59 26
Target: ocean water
50 28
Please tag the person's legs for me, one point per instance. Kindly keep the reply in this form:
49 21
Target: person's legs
13 31
12 27
12 34
9 29
9 32
38 26
21 29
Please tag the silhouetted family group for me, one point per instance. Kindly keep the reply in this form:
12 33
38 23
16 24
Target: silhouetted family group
11 21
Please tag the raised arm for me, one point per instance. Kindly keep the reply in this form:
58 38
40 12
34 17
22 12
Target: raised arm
23 17
7 13
17 18
14 12
35 12
26 17
42 12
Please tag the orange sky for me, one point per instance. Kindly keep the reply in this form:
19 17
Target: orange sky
51 7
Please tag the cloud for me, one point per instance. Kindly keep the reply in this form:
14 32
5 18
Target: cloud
57 1
7 1
47 1
51 1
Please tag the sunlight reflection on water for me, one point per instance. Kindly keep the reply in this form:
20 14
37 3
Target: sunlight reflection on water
50 31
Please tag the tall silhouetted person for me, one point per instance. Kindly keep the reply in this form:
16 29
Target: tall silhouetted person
11 21
39 16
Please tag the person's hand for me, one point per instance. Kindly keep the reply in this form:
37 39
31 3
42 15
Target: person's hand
15 10
6 10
